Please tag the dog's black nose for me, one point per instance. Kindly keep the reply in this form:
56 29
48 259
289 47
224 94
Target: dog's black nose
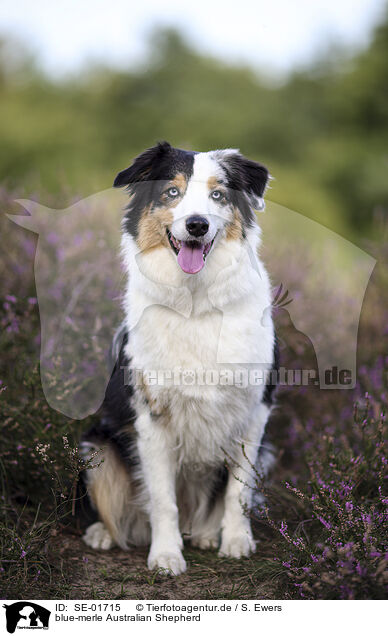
197 225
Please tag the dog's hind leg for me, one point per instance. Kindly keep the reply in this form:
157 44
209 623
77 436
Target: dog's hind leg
98 537
201 507
109 488
206 535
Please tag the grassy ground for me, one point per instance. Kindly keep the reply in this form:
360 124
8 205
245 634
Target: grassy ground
80 573
323 533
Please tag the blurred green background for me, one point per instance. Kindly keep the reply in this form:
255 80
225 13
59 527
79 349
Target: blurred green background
323 131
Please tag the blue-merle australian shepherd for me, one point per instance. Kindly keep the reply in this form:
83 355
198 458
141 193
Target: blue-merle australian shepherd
181 433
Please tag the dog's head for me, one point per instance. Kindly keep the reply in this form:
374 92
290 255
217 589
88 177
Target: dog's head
188 202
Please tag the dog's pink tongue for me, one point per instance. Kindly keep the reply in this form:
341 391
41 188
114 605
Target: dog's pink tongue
191 258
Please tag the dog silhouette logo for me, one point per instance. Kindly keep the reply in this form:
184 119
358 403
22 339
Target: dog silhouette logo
26 615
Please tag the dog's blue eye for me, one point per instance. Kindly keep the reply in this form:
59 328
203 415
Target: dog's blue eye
217 195
173 192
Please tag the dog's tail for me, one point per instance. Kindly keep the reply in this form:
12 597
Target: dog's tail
117 342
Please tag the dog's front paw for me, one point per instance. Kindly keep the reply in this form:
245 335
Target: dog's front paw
167 561
98 537
237 545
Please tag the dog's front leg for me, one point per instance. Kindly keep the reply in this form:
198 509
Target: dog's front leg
237 539
158 462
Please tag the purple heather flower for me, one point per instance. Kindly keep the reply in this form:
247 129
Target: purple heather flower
52 238
29 247
325 523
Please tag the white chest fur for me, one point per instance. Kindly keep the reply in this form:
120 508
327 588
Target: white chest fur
198 340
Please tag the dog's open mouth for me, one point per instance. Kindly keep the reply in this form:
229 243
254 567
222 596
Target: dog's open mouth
191 254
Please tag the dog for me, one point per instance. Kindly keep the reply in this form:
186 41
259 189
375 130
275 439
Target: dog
179 438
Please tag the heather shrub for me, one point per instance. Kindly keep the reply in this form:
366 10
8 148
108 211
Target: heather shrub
327 504
332 544
39 471
39 465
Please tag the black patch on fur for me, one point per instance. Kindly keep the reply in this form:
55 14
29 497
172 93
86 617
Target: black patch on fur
146 177
245 179
220 480
116 423
271 386
85 513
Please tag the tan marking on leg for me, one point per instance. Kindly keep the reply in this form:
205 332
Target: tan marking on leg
156 406
109 488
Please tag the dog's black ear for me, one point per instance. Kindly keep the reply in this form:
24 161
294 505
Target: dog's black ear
141 168
256 176
245 175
